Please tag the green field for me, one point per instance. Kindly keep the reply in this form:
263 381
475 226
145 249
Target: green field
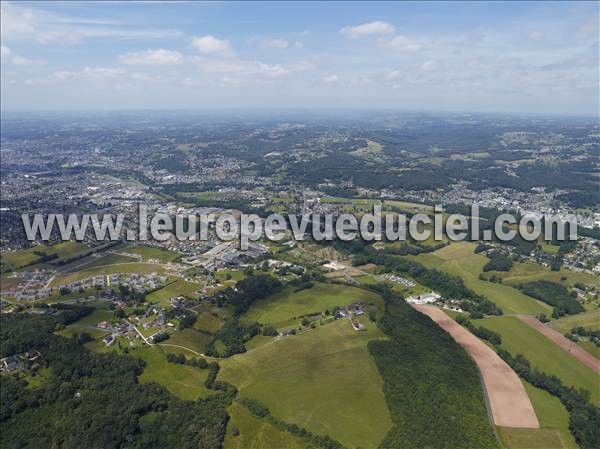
95 317
523 272
589 320
554 425
519 338
186 382
149 252
323 380
459 259
109 259
257 433
190 338
288 304
177 288
73 329
19 259
208 322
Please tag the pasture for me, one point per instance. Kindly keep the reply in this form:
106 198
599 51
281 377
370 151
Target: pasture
323 380
149 252
177 288
519 338
459 259
287 304
257 433
185 382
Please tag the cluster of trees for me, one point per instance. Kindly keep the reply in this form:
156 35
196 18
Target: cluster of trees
481 332
446 284
498 262
94 400
181 359
579 331
431 386
262 411
555 295
231 337
584 417
249 290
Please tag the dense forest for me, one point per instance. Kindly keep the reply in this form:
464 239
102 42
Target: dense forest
553 294
432 387
94 400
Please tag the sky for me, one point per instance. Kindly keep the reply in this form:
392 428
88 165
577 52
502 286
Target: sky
474 56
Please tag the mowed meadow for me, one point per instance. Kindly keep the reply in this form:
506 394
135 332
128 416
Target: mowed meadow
289 304
459 259
323 379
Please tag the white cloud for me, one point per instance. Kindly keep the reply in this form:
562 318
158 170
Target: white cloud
152 57
275 43
298 44
368 29
429 66
402 43
9 56
331 79
20 60
33 24
211 45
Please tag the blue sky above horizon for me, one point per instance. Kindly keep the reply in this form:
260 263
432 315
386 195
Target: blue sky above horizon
475 56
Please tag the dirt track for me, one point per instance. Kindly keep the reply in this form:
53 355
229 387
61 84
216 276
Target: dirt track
509 403
559 339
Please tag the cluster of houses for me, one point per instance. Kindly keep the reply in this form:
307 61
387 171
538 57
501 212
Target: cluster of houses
18 362
135 281
32 284
229 254
397 280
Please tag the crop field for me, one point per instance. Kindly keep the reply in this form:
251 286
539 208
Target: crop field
459 259
177 288
148 252
324 380
185 382
257 433
289 304
519 338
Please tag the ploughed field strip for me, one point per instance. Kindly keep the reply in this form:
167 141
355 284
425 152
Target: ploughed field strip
509 403
564 343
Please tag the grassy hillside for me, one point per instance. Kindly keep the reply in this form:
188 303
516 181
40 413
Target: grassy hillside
589 320
185 382
177 288
257 433
323 380
519 338
148 252
459 259
287 304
